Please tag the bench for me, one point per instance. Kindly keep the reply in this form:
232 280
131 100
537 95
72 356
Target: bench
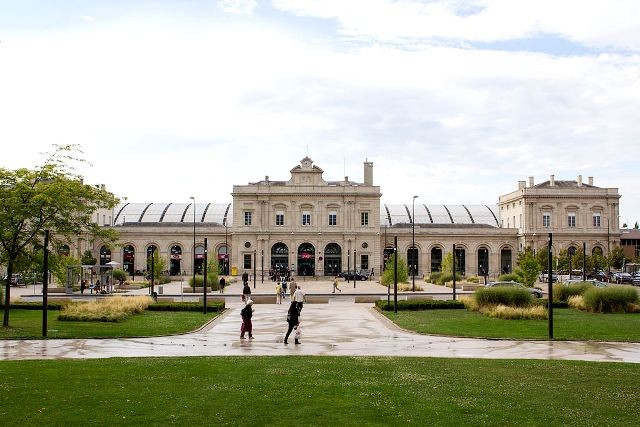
261 299
316 300
419 297
471 287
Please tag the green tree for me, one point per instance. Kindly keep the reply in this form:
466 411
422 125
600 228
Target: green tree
616 257
403 271
528 268
49 197
159 265
88 258
447 263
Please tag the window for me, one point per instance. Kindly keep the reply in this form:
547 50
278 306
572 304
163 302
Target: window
333 218
247 218
306 218
364 219
546 219
364 262
247 261
520 220
279 218
596 220
571 219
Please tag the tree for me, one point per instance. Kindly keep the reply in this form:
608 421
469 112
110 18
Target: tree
49 197
616 257
88 258
403 271
528 269
159 265
447 263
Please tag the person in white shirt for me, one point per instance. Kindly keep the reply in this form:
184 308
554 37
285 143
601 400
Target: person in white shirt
298 297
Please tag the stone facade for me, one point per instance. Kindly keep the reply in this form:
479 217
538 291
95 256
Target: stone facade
320 227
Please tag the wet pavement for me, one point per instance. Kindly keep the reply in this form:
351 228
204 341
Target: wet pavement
337 328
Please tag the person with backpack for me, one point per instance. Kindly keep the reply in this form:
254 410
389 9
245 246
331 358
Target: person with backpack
293 318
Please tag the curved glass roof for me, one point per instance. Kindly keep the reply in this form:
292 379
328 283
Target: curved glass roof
172 213
216 212
440 214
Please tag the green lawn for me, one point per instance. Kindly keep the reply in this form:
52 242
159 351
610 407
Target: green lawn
568 325
256 391
28 324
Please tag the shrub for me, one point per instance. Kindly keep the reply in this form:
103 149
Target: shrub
562 292
433 277
163 280
36 305
119 275
210 283
610 300
213 306
514 297
545 303
576 302
387 274
516 313
509 277
112 309
473 279
405 287
420 305
448 277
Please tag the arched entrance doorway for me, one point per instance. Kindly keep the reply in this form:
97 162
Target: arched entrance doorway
461 261
386 256
306 260
128 259
436 259
151 249
279 257
505 261
64 250
412 261
332 259
199 259
105 255
176 260
483 262
223 260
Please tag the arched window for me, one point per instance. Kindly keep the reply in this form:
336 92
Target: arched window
483 262
332 259
412 260
505 261
175 268
105 255
436 259
128 259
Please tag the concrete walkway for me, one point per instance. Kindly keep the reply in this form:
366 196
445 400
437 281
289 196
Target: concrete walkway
339 328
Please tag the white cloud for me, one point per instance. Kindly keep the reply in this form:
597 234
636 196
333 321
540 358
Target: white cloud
589 22
88 18
240 7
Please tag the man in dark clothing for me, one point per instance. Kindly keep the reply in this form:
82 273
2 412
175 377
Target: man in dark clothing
222 283
246 313
245 278
246 293
293 318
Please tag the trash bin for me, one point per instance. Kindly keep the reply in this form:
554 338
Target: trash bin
160 289
234 271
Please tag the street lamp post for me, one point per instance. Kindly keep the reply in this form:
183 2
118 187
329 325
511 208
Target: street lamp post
413 244
226 250
194 243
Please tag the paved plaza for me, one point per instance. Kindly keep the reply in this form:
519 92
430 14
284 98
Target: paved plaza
340 327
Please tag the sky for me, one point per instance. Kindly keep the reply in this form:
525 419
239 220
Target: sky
454 101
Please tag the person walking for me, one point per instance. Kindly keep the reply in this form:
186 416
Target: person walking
293 318
246 313
335 285
245 278
246 293
222 283
284 289
278 293
292 289
299 298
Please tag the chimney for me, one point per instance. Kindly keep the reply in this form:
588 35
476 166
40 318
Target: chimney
579 180
368 173
530 181
552 180
346 179
266 178
521 185
590 179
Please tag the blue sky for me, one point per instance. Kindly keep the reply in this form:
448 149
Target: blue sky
452 100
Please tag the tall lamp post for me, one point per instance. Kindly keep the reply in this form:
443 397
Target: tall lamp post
226 250
413 244
194 243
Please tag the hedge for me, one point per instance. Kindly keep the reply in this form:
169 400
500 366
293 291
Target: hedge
513 297
212 307
545 302
562 292
36 305
420 305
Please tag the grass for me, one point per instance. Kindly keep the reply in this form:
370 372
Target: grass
568 324
112 309
294 391
28 324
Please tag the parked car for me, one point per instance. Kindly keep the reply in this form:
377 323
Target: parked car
636 278
536 292
359 275
621 278
16 280
594 282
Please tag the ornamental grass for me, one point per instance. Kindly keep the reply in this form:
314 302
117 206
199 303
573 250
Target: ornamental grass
112 309
619 299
